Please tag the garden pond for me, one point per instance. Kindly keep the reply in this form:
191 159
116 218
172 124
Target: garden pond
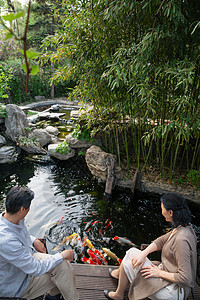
68 200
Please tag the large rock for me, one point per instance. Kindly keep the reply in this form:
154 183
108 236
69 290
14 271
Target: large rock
8 155
2 140
97 162
30 145
15 122
52 152
42 136
40 98
81 144
52 130
47 115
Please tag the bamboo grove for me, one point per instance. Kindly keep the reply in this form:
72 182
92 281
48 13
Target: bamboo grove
138 63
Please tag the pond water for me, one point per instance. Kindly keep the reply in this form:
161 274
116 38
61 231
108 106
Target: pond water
68 200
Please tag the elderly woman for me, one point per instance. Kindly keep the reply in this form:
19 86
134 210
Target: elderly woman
173 278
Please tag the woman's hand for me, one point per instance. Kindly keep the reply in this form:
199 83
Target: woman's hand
68 254
152 271
39 246
139 260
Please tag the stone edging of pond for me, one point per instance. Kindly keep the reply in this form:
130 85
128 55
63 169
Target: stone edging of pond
50 102
158 188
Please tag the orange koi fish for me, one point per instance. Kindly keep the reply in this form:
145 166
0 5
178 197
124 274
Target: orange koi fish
87 226
100 256
86 260
119 261
94 257
84 241
109 224
95 222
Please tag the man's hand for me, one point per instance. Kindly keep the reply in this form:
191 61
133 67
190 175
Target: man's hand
39 246
68 254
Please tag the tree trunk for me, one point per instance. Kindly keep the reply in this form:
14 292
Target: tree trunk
52 86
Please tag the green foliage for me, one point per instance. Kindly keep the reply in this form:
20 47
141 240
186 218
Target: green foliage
3 113
39 84
13 16
193 178
41 23
82 133
8 48
27 141
5 79
27 130
32 113
10 32
81 153
63 148
141 60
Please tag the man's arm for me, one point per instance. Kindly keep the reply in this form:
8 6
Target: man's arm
14 252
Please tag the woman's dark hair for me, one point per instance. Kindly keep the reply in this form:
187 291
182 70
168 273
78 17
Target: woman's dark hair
176 203
18 197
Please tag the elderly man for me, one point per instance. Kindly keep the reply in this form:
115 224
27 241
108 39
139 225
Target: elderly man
25 268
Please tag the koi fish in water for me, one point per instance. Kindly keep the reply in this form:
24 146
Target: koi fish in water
111 254
92 224
108 225
96 222
100 256
84 241
87 226
69 238
103 239
94 257
89 244
86 260
65 240
124 241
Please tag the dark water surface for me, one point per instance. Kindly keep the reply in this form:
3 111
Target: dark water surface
66 191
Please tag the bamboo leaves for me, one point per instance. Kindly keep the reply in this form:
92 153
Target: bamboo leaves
138 64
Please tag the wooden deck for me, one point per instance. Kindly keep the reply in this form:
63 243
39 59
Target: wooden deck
92 280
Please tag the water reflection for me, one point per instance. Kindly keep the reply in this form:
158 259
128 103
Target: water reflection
66 191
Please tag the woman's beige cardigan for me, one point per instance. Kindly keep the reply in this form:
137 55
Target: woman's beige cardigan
179 256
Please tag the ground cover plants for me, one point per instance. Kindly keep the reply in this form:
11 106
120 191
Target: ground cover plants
63 148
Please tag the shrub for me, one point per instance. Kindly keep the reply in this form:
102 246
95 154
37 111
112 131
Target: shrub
63 148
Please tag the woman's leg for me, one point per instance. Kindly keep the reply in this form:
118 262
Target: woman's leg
122 285
126 273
